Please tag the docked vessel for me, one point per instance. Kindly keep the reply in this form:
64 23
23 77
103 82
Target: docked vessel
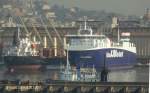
87 50
24 55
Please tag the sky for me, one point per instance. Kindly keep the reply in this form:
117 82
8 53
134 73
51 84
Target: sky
126 7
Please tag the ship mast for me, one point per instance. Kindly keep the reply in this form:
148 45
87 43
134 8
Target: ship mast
67 72
118 33
85 28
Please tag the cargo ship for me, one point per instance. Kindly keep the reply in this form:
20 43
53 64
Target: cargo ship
87 49
24 55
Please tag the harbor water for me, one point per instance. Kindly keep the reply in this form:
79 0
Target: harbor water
136 74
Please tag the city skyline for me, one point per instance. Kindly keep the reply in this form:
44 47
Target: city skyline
125 7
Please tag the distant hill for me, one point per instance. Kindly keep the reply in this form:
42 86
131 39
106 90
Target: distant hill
69 14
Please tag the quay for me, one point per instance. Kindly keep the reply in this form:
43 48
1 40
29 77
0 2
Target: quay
73 87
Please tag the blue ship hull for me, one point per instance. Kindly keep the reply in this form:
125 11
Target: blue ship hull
102 57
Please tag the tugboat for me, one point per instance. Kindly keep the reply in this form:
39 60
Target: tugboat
87 50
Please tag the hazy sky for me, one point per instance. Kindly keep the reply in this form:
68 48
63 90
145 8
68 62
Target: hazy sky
126 7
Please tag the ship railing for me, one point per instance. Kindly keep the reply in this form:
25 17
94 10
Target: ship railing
81 47
87 46
124 45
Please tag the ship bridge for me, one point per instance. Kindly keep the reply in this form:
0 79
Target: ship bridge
86 42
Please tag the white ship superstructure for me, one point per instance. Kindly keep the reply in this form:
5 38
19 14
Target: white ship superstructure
88 49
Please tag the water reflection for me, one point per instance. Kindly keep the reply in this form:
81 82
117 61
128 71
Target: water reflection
137 74
128 75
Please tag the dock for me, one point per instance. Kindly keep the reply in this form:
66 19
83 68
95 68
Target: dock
74 87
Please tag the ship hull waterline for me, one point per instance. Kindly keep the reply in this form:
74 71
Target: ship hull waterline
31 62
79 59
110 58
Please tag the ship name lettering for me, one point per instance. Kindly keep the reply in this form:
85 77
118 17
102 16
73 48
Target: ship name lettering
114 54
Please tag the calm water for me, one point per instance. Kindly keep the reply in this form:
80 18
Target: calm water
136 74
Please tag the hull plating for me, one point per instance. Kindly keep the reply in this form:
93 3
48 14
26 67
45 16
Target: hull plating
112 57
26 61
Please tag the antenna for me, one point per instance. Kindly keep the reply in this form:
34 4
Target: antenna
84 27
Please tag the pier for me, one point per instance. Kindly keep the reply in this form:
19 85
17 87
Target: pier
74 87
